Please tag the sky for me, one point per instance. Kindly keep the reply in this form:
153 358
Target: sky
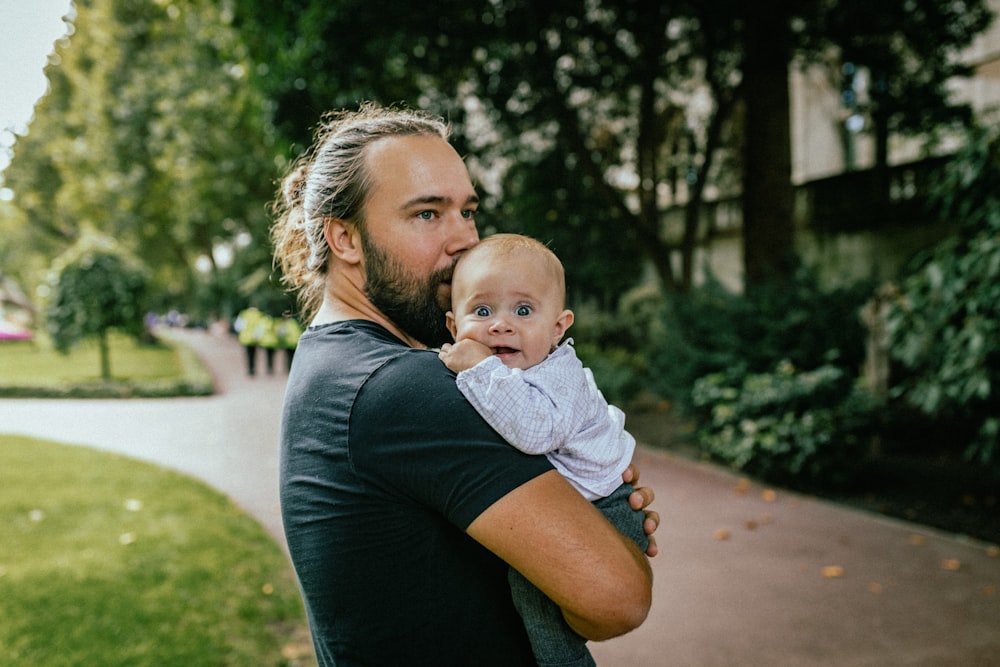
28 29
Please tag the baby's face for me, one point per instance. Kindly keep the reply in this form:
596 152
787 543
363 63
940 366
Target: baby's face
510 305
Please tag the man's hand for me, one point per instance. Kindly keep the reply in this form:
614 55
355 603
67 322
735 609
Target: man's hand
640 500
464 354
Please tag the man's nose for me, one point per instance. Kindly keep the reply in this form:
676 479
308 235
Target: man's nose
463 235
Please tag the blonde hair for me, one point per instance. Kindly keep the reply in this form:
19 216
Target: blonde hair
331 181
508 245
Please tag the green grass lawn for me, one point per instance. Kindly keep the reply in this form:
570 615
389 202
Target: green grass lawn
110 561
29 368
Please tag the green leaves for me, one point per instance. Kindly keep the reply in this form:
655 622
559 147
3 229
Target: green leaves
786 424
95 289
152 135
944 324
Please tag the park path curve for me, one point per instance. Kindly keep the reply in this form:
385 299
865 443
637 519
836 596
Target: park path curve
228 440
747 576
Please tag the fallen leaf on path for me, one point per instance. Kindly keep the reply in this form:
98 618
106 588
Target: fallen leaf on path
993 551
875 587
751 525
917 540
833 572
769 495
721 534
742 487
989 590
951 564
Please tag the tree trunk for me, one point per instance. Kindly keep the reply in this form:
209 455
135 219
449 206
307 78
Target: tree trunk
102 345
768 232
880 120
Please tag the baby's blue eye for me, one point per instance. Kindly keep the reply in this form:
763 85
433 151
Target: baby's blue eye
481 311
523 311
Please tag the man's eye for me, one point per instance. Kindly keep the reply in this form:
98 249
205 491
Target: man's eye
523 311
482 311
469 214
426 215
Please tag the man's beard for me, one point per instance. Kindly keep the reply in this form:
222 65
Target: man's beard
411 304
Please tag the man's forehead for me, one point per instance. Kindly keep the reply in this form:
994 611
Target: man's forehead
427 166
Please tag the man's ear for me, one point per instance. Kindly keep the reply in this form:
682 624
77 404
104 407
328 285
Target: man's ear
563 322
344 240
449 321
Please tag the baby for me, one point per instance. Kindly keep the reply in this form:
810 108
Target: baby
508 317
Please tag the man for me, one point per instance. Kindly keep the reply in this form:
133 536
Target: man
401 507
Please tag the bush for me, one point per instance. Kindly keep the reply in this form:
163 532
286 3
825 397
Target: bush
711 330
618 372
614 345
944 323
788 426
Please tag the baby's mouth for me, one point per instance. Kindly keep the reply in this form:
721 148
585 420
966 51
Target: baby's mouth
504 350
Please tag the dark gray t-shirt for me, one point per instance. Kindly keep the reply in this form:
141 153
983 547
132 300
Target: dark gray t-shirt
383 466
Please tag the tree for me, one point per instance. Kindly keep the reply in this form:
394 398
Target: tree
95 289
909 52
944 321
597 100
150 134
768 232
621 110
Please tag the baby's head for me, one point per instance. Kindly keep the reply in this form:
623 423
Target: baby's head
508 292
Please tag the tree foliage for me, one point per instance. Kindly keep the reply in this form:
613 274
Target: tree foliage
151 135
597 101
95 288
944 324
909 51
593 123
613 111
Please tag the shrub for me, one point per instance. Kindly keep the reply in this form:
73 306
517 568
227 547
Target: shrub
711 330
788 426
944 324
614 345
618 372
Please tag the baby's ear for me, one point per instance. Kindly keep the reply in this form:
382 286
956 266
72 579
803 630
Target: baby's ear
449 321
563 322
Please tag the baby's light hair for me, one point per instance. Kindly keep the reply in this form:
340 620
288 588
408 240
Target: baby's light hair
509 245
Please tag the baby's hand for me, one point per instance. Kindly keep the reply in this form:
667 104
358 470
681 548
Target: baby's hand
464 354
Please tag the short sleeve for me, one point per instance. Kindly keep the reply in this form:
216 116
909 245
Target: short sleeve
413 434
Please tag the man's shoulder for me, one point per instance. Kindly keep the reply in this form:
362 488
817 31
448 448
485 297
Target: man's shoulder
413 374
353 343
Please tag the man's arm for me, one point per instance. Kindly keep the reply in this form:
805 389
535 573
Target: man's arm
562 544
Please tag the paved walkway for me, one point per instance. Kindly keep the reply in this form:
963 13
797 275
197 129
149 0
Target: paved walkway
746 576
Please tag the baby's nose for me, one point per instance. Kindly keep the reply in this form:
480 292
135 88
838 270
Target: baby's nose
500 325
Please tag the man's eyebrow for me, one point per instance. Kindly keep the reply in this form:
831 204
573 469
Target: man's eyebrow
436 199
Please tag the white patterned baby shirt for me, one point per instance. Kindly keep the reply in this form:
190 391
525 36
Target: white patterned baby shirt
556 409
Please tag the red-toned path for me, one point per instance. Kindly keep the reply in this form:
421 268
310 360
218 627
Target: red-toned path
746 577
